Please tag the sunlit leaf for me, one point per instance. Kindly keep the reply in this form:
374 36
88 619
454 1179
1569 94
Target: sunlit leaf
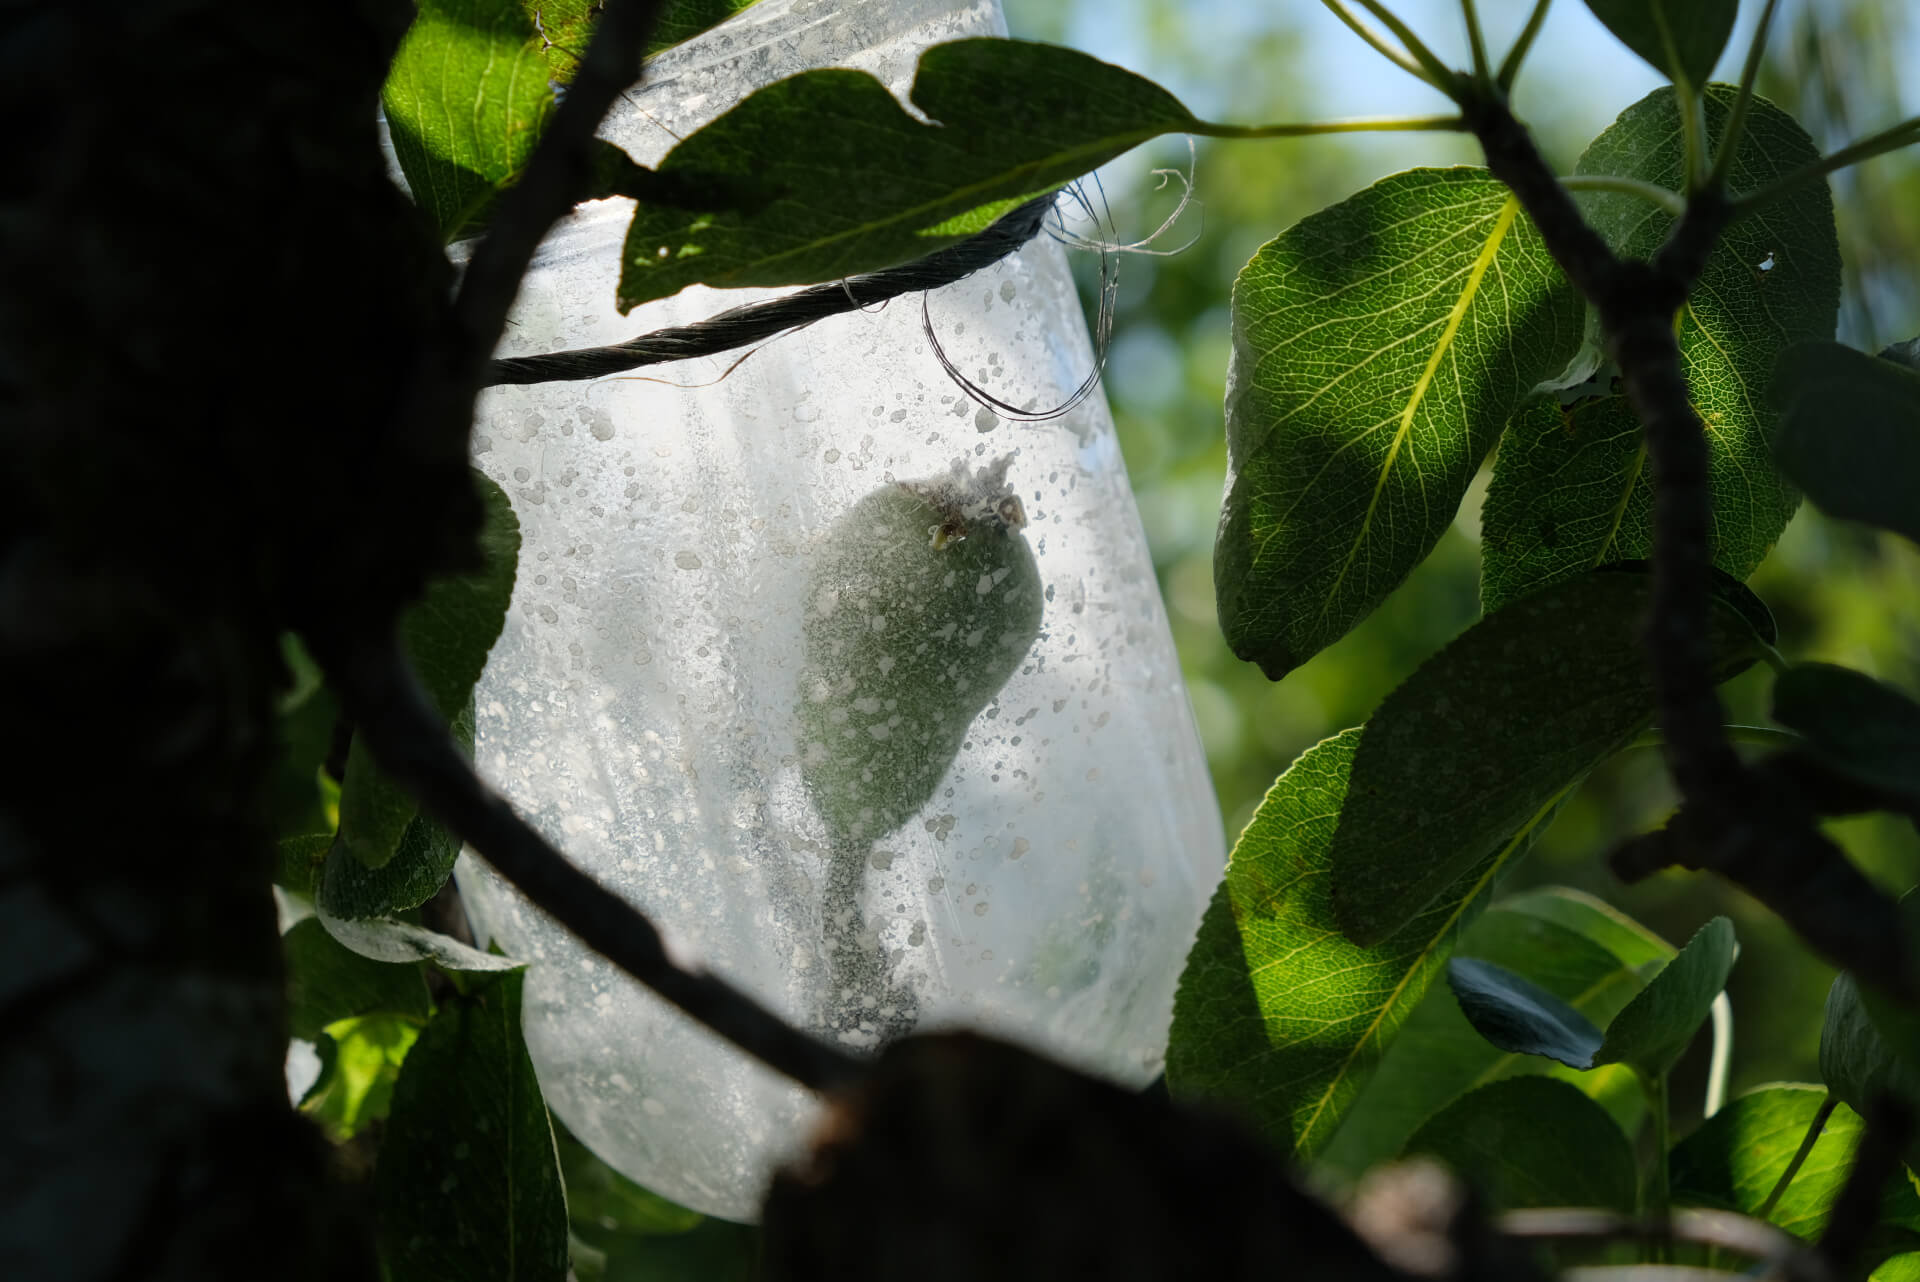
1277 1013
853 182
1378 348
1851 436
1681 38
1574 946
469 1181
1484 738
360 1062
1571 486
1534 1141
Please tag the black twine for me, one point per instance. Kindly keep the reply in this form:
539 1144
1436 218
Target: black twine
753 322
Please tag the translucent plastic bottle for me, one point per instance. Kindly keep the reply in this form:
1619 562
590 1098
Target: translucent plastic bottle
703 609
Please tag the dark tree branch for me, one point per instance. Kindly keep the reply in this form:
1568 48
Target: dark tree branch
754 322
411 744
1760 837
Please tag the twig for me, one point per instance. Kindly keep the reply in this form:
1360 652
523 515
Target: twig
1516 56
412 745
755 322
1799 1158
1857 1210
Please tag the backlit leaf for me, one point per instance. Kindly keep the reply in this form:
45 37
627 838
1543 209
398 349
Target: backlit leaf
852 183
1534 1141
1851 436
1486 736
1378 348
1574 946
1277 1013
1681 38
1571 487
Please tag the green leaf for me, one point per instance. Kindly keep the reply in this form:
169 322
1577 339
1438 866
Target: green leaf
1898 1268
1571 489
446 636
472 87
1277 1013
327 983
1534 1141
602 1203
1851 434
1681 38
360 1062
1866 729
1655 1028
1574 946
1378 348
713 1251
1858 1062
469 1183
1734 1159
300 860
853 183
420 865
305 722
1515 1014
1486 736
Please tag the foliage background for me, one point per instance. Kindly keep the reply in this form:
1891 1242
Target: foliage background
1841 593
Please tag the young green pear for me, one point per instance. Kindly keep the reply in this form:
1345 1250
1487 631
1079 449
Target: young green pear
924 600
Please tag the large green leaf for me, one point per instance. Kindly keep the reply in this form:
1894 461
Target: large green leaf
1736 1157
1858 1060
328 982
1851 435
469 1182
446 636
1681 38
1277 1013
420 866
1378 348
851 182
1534 1141
1574 946
473 84
1490 732
1656 1026
1861 727
1571 489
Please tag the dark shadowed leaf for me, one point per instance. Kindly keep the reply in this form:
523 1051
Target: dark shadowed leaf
1378 348
1734 1159
1576 947
1490 732
420 865
1858 1061
327 982
1851 436
603 1204
446 636
1277 1013
1534 1141
469 1182
712 1251
305 724
1861 727
1515 1014
1653 1030
1571 488
850 182
1681 38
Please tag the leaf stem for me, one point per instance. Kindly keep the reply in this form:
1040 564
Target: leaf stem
1659 1191
1722 1055
1693 133
1737 114
1807 1141
1510 65
1398 57
1653 193
1482 69
1371 124
1442 75
1901 135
